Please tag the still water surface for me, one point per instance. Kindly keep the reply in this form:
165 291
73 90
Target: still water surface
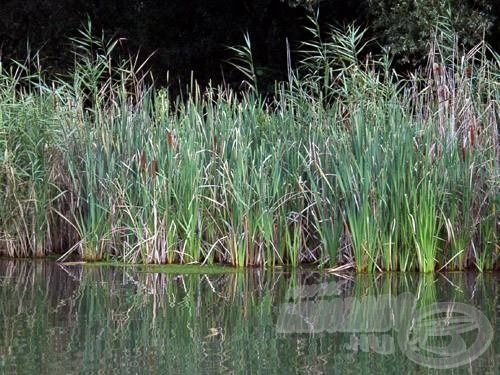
57 319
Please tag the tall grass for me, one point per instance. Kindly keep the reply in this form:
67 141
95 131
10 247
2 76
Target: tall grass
347 165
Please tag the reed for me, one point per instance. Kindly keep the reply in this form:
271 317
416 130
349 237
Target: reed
347 164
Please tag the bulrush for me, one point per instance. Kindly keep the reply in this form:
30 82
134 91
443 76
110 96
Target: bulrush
142 161
342 166
172 144
472 135
154 168
170 140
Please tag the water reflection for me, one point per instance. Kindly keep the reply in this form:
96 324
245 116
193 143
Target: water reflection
85 319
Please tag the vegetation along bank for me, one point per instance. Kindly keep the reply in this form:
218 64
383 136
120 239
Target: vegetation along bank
346 164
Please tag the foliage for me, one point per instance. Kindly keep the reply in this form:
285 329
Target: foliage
346 165
406 26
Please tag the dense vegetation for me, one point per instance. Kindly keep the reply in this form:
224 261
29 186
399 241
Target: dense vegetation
346 165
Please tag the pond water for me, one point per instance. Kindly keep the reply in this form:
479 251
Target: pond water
64 319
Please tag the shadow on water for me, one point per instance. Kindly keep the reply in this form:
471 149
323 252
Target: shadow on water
75 319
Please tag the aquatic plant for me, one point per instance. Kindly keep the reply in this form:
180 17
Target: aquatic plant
348 164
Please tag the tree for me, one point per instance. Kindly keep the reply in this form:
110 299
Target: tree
406 26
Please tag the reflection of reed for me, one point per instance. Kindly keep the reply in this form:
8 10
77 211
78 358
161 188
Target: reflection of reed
193 322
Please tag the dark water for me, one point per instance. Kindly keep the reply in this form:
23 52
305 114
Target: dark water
71 319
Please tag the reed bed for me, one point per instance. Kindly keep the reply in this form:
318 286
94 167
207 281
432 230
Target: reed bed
347 165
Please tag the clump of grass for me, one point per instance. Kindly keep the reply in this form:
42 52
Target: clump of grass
348 164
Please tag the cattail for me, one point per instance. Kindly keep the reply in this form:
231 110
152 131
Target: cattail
154 168
142 161
468 71
169 139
